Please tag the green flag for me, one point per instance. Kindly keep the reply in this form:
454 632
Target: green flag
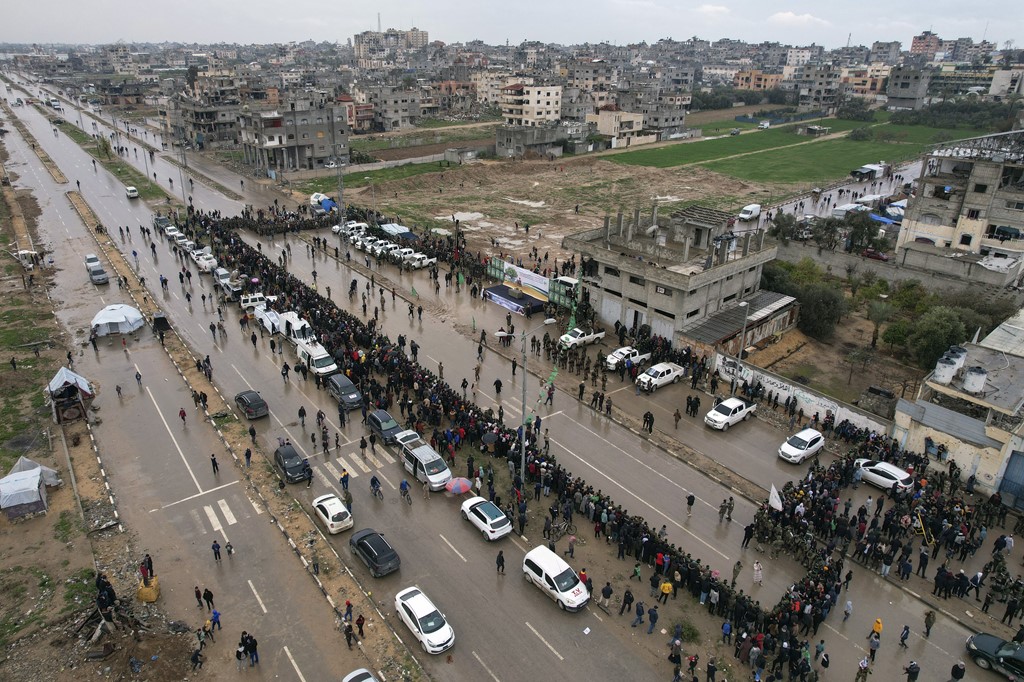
462 280
414 292
474 323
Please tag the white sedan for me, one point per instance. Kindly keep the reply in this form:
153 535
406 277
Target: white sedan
424 621
333 513
486 516
883 474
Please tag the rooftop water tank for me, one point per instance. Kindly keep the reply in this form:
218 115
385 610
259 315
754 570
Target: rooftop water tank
945 369
958 354
974 379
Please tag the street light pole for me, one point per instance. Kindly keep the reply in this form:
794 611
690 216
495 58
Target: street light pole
743 342
526 377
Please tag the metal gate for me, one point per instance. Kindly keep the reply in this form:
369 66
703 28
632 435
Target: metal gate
663 328
611 310
1013 479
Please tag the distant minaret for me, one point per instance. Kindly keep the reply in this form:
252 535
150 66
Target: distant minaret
378 22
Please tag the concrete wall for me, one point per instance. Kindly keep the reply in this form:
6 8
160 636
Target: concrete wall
810 400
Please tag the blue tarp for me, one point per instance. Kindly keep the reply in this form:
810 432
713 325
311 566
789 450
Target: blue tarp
328 205
881 219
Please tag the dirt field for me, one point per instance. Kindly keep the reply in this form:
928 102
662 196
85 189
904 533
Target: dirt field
826 367
489 198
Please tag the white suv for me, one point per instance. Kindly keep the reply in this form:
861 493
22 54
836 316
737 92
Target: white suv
426 623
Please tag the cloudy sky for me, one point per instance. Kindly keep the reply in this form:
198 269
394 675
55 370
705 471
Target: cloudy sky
826 23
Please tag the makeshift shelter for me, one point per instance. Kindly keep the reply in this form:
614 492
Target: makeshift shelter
70 395
117 319
23 491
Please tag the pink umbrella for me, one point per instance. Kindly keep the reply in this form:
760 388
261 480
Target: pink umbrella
457 486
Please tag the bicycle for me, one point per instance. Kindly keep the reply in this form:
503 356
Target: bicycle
563 528
407 497
378 493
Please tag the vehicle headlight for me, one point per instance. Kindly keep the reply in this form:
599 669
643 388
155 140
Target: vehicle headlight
971 645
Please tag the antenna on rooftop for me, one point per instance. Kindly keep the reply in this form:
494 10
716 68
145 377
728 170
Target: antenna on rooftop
378 22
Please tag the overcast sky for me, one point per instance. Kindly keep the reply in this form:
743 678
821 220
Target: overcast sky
826 23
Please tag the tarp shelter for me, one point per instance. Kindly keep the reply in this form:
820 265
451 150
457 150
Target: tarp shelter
160 323
328 205
117 319
23 491
70 395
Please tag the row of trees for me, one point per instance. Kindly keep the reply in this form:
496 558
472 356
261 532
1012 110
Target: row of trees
968 112
906 316
726 98
855 232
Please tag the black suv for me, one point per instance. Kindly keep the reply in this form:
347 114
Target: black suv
252 404
384 425
290 463
379 556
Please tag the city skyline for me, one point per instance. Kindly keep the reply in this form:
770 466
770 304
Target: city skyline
634 21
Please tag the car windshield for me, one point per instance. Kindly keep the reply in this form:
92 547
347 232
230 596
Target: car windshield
324 362
435 466
432 622
388 424
339 516
798 443
721 408
566 580
652 372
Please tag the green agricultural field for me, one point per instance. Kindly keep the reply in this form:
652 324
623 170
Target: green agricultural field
827 159
710 150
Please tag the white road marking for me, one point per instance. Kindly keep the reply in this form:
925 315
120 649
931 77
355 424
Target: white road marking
260 602
197 520
376 462
644 502
484 666
258 508
348 467
228 516
192 497
360 463
381 475
452 547
171 434
294 665
214 521
546 643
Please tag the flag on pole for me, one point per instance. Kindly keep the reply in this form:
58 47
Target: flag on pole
414 292
474 323
774 501
462 280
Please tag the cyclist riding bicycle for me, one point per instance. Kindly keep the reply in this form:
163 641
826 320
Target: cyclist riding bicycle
404 487
374 484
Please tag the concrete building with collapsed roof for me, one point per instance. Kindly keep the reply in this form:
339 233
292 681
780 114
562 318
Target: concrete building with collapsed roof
969 410
684 276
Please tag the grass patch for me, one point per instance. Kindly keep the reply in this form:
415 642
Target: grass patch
359 179
79 590
68 526
125 172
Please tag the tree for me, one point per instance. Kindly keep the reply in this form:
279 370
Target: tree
859 356
896 334
191 76
879 313
855 109
821 308
861 135
103 146
783 227
863 231
825 233
933 334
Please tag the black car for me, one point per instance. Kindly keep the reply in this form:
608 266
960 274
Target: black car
379 556
344 391
252 404
384 425
994 653
290 463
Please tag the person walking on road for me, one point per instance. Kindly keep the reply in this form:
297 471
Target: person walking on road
736 568
640 610
138 378
912 670
627 601
652 617
208 598
874 644
863 670
500 561
690 499
344 478
216 550
213 463
958 672
182 414
302 415
929 621
904 636
876 628
199 597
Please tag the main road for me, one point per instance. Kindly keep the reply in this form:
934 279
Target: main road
436 544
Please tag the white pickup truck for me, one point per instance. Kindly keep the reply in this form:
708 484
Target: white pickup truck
659 375
419 261
621 355
579 337
728 412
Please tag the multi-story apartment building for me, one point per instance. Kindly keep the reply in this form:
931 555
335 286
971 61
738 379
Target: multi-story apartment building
385 45
926 45
592 74
959 79
818 88
671 275
664 110
970 200
489 84
756 79
626 129
306 134
885 52
865 82
907 87
530 105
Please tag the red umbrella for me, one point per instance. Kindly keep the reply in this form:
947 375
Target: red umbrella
457 486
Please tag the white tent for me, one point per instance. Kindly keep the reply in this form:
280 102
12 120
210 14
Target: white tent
49 475
23 491
117 319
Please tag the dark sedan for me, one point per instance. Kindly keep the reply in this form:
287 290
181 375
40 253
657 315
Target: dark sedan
292 466
384 425
994 653
379 556
252 404
875 254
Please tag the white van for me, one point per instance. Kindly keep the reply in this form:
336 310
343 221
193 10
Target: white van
423 462
846 209
249 302
131 192
294 328
749 212
555 578
268 319
315 357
